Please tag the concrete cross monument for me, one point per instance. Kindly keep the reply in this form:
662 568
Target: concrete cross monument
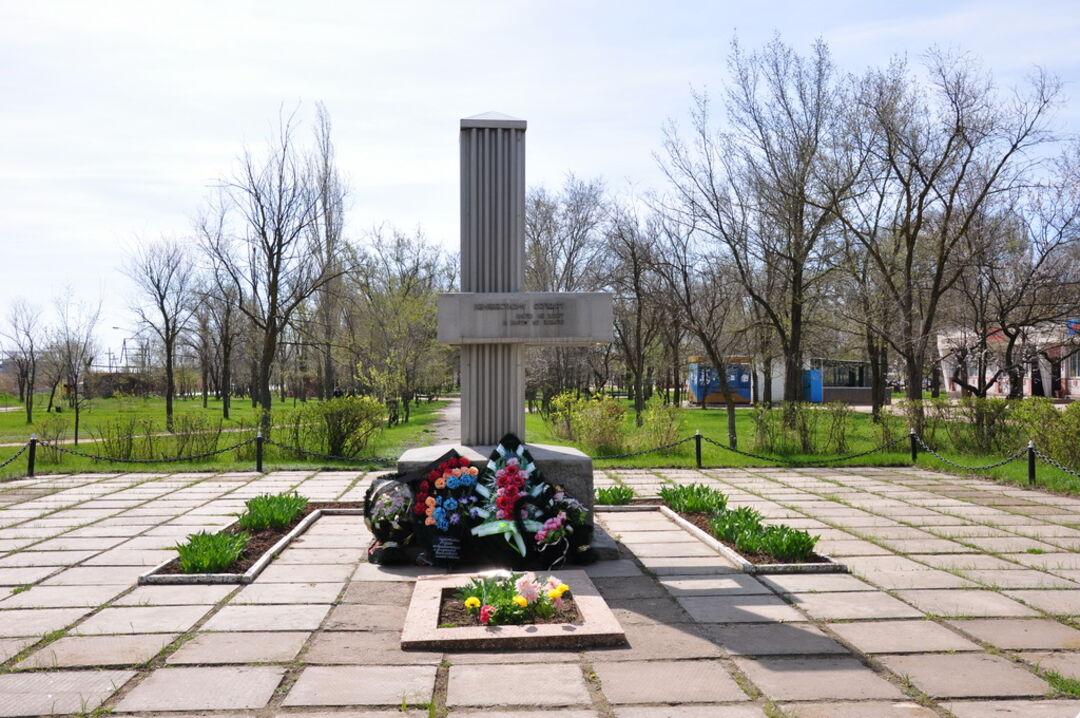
492 319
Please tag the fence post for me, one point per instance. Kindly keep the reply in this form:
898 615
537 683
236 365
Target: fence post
697 447
914 446
1031 462
259 451
31 456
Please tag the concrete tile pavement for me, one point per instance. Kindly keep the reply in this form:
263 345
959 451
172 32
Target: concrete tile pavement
948 593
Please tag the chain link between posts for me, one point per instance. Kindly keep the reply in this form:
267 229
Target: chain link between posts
16 455
332 457
1009 459
789 462
1055 463
177 459
665 447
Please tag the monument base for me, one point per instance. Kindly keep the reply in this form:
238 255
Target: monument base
561 465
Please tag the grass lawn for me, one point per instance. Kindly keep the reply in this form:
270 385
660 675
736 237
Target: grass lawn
863 435
97 412
390 443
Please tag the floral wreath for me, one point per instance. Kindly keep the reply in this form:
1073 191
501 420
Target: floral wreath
445 498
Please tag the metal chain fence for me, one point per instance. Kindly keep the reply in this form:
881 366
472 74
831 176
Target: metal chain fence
16 455
817 462
1055 463
332 457
665 447
1009 459
193 457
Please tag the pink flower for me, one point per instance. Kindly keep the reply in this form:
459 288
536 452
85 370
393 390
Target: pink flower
528 587
486 613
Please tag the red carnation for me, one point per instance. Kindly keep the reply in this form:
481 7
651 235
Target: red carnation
432 475
418 509
463 462
425 485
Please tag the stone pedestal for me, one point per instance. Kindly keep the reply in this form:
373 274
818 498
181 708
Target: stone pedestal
560 465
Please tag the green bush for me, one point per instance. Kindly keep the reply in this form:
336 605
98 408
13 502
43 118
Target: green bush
271 511
598 425
194 434
693 499
786 544
344 426
982 426
614 495
766 429
837 421
662 424
1054 432
729 525
211 553
561 413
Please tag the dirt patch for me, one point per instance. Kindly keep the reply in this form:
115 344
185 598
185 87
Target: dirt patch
263 541
452 612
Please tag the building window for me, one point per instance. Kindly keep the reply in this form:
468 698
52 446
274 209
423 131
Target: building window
1074 365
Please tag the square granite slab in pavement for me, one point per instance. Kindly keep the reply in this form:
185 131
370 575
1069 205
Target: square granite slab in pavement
33 694
306 573
549 684
360 617
1021 633
852 605
772 639
816 678
966 675
740 609
275 647
218 688
376 648
362 686
142 619
62 597
660 641
1015 709
963 602
667 682
304 617
175 595
1055 602
29 622
98 651
268 593
901 637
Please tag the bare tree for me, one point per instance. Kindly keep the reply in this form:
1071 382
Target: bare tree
630 246
275 260
24 332
939 155
705 292
75 347
165 275
767 187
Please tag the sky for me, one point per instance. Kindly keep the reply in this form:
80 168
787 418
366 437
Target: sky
119 118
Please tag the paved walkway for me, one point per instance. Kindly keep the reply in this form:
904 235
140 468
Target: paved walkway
964 594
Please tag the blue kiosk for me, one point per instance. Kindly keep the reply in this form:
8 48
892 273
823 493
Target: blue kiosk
705 382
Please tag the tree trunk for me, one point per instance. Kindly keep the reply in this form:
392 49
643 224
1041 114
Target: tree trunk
31 380
170 387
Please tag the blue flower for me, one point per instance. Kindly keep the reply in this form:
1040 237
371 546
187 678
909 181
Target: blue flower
453 482
450 504
454 518
442 525
439 514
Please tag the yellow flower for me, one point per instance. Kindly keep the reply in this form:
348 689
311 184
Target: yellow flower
472 602
553 594
562 588
520 600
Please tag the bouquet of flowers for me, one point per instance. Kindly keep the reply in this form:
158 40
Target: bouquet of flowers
386 513
533 517
443 505
513 599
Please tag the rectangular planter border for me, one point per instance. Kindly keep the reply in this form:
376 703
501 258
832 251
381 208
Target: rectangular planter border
599 626
152 577
733 556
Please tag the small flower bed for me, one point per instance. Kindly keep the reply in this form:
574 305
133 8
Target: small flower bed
742 528
271 511
614 495
509 599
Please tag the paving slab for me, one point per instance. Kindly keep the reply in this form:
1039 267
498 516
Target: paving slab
142 619
98 651
175 595
11 646
1056 602
555 684
966 675
1021 633
660 641
739 609
218 688
816 678
967 603
46 693
306 573
667 682
305 617
727 710
858 709
362 686
361 617
853 605
271 593
1015 709
772 639
1066 663
733 584
901 637
1021 578
815 583
36 622
365 648
269 647
379 593
96 575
